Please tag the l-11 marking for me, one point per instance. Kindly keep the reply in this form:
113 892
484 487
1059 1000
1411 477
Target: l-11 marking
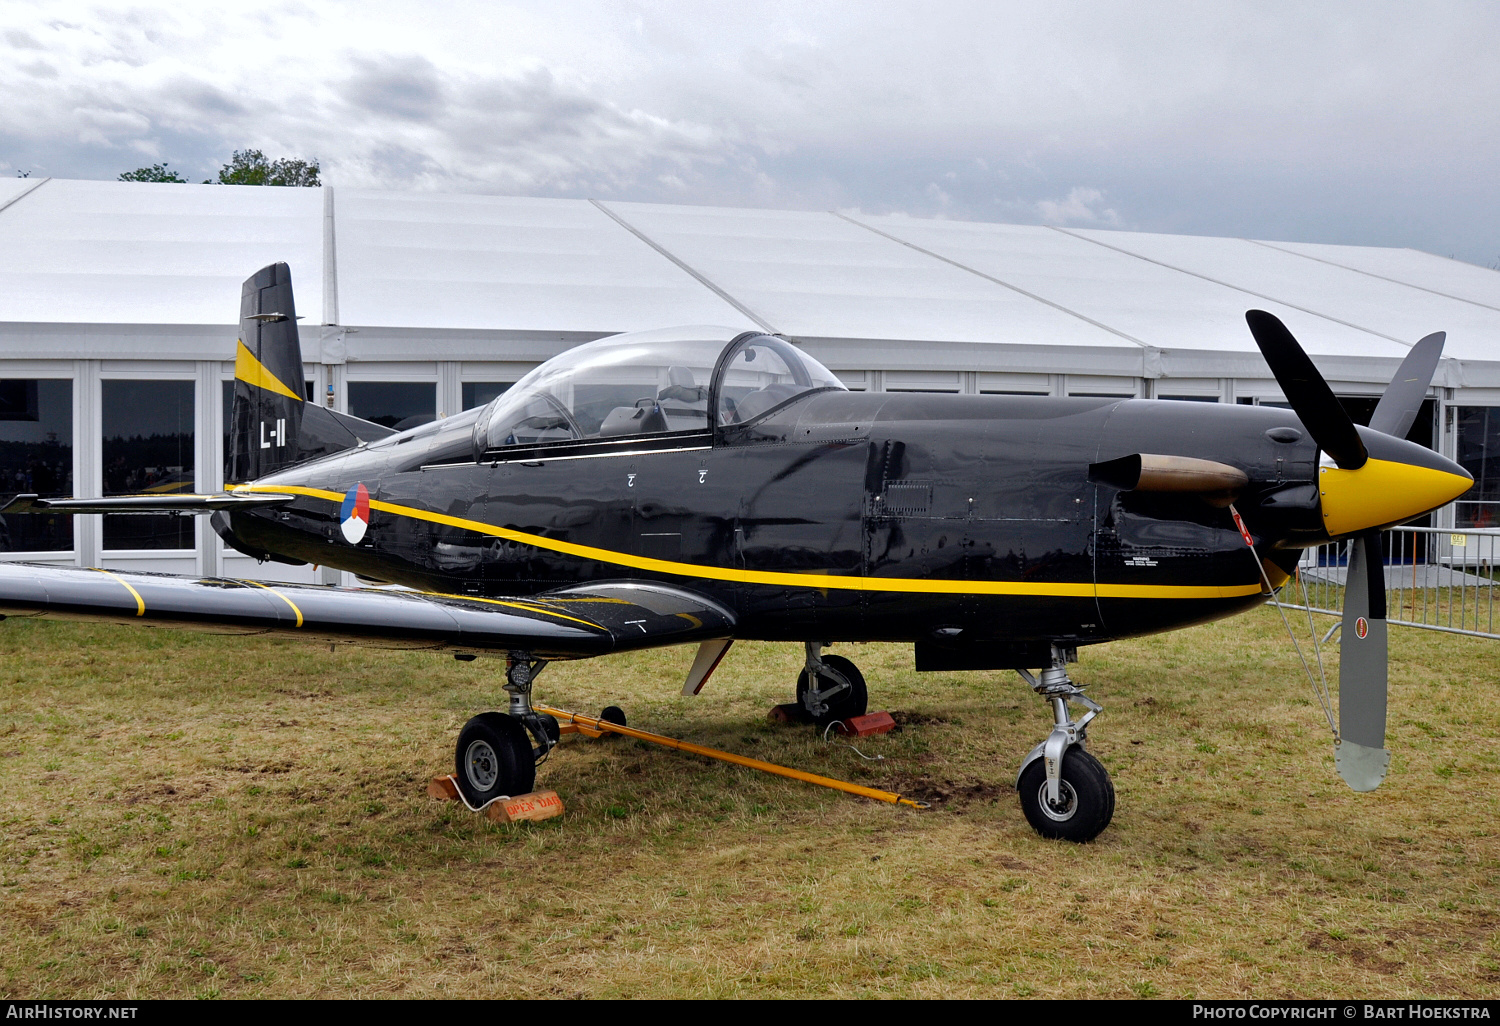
278 434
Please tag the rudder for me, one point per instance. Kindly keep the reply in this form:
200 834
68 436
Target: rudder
266 419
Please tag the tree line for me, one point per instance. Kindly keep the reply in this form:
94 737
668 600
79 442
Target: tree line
246 167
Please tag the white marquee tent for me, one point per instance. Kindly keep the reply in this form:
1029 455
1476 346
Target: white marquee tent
107 283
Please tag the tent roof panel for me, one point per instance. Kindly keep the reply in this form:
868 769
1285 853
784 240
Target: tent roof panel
101 254
1412 266
1159 306
147 253
820 276
1333 293
438 261
10 188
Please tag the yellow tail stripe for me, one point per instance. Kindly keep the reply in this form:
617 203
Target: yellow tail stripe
821 582
140 603
248 368
283 598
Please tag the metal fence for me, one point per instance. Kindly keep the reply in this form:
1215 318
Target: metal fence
1439 578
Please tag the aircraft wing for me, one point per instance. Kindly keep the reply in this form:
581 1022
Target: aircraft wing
167 502
568 624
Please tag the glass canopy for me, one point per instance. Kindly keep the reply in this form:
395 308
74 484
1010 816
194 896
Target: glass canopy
646 383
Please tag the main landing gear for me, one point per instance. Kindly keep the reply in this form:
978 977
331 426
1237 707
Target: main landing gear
830 688
1065 792
497 754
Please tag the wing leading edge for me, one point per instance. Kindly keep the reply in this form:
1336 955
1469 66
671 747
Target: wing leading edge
571 624
170 503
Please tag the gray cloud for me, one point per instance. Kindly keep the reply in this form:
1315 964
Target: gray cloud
22 40
402 87
1347 122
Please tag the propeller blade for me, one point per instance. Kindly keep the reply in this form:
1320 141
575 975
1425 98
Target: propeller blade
1361 755
1403 396
1311 398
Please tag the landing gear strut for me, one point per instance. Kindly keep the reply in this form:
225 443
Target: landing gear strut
1065 792
497 754
830 688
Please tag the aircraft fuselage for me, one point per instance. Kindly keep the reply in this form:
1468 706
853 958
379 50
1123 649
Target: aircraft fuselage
963 523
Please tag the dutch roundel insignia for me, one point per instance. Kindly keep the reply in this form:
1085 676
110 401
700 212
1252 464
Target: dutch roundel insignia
355 515
1361 625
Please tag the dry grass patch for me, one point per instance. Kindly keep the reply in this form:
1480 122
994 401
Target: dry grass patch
187 815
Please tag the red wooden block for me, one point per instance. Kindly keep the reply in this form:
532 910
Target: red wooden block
444 788
536 805
866 725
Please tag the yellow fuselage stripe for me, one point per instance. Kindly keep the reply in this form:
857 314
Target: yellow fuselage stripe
140 603
283 598
821 582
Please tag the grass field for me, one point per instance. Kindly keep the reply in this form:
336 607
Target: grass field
184 815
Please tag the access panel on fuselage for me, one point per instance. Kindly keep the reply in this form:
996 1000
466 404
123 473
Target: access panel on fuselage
682 507
452 558
1167 560
798 512
585 501
992 490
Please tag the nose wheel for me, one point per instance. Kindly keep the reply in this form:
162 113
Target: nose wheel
1085 801
1065 792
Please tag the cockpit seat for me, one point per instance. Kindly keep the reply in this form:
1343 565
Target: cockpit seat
762 399
681 387
633 420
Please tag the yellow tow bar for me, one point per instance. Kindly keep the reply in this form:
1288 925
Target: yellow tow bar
594 727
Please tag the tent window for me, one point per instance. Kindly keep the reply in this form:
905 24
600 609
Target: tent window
394 404
148 435
482 393
36 455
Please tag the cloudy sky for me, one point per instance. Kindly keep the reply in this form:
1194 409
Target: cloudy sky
1364 122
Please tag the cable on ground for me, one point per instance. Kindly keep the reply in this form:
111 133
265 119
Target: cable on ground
1325 699
845 744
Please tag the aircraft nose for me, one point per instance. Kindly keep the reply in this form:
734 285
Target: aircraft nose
1399 482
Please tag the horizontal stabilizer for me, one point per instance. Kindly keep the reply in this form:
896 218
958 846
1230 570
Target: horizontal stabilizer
183 504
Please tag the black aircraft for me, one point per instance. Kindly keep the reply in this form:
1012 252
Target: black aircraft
696 486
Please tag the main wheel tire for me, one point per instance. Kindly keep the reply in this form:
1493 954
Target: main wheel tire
493 759
1086 798
853 701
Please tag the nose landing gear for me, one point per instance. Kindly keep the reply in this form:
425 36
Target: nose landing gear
1065 792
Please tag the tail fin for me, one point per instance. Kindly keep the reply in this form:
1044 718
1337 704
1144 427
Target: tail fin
272 427
268 399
